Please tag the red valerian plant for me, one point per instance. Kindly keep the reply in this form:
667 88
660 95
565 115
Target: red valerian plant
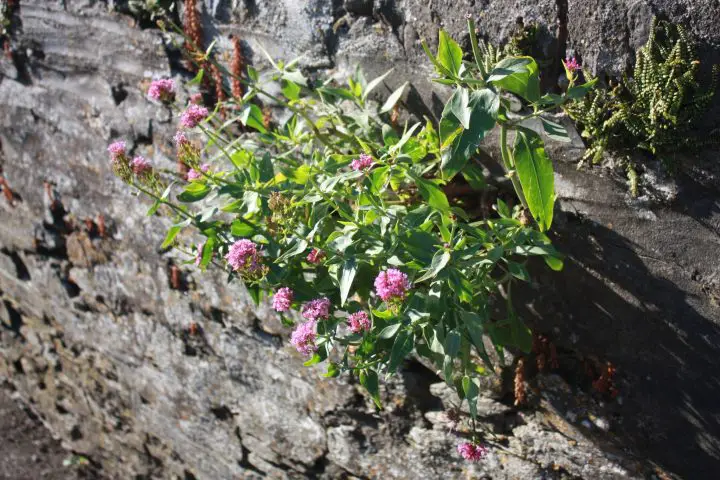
344 222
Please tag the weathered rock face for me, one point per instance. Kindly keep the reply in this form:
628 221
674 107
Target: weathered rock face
157 381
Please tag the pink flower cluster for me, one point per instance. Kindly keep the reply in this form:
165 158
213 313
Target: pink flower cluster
304 336
572 64
117 150
196 98
365 162
315 256
391 284
471 451
195 175
193 115
162 90
140 166
180 139
318 309
359 321
244 256
282 299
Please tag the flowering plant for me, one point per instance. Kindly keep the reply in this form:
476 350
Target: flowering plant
341 215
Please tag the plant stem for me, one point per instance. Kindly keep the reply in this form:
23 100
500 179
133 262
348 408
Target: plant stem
510 167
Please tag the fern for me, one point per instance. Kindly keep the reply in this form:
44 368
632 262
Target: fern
658 107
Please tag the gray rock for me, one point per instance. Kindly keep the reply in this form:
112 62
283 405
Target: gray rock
97 340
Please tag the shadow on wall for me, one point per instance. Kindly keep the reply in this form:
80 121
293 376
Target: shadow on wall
660 336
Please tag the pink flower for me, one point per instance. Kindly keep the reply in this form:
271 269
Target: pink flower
193 175
391 284
318 309
193 115
196 98
282 299
180 139
572 64
471 451
303 338
244 256
365 162
359 321
139 165
117 150
315 256
162 90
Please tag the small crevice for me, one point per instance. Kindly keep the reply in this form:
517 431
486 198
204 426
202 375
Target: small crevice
222 413
21 270
16 321
119 93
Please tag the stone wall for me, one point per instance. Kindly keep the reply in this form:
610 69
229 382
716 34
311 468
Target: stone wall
193 382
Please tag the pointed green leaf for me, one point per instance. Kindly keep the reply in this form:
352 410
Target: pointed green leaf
369 380
349 269
393 99
389 331
458 107
535 171
432 193
518 75
439 261
484 106
374 83
402 347
449 53
555 131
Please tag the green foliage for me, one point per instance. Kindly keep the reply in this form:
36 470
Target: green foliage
151 9
292 189
657 108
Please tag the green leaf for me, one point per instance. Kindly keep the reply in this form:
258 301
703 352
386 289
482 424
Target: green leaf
194 192
369 380
449 53
471 390
484 105
240 228
555 131
474 326
251 116
349 269
208 251
402 347
518 75
153 208
389 331
448 369
298 247
518 270
580 91
432 193
452 343
439 261
535 171
374 83
291 90
315 359
197 79
554 263
332 370
458 107
393 99
171 234
474 176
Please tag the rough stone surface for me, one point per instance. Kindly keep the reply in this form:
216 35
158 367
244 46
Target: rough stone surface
156 382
